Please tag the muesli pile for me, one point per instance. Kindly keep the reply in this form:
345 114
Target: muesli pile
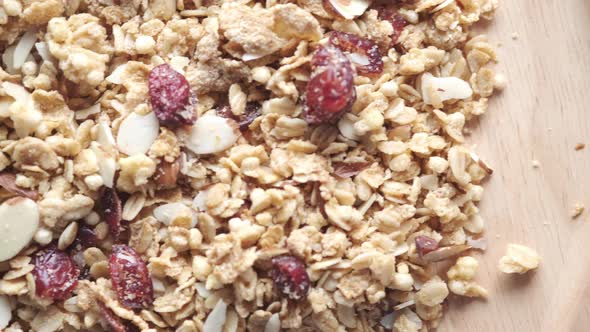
217 165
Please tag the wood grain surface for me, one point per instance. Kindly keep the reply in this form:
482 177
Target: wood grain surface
542 114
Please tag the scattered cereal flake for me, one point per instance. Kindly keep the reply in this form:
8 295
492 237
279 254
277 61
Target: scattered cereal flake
519 259
535 163
514 35
580 146
577 210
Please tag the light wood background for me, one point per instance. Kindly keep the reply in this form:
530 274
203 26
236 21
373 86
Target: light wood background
542 114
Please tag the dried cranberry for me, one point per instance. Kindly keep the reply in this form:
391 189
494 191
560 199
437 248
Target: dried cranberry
346 170
290 277
363 50
425 244
251 113
130 277
110 205
55 273
330 91
225 112
169 93
114 322
86 238
397 21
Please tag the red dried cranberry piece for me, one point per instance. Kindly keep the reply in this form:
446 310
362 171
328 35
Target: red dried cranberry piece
397 21
347 170
330 91
290 277
244 120
111 210
169 94
55 273
251 113
225 112
130 277
425 244
86 238
363 52
114 322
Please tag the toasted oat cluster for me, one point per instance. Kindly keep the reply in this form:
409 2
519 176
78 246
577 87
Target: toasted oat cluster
238 165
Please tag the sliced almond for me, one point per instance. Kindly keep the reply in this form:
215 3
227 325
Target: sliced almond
19 220
85 113
18 92
23 48
168 213
252 57
116 77
43 51
212 134
346 127
273 324
137 133
104 135
481 163
347 9
7 58
5 312
443 253
444 88
200 201
107 163
216 318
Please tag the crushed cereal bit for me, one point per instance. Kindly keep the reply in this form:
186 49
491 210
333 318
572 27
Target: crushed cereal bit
535 163
519 259
577 210
240 165
580 146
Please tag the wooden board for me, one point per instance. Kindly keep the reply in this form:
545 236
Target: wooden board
542 114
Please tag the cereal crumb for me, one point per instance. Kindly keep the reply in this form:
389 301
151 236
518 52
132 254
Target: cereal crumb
577 210
514 36
580 146
535 163
519 259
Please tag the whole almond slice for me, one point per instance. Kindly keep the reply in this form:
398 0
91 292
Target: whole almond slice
212 134
168 213
273 324
444 88
107 165
5 312
23 48
443 253
347 9
137 133
19 220
216 318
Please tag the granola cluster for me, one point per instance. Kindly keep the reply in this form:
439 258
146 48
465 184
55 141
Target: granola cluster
238 213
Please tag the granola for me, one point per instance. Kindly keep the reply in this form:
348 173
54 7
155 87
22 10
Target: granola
241 166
